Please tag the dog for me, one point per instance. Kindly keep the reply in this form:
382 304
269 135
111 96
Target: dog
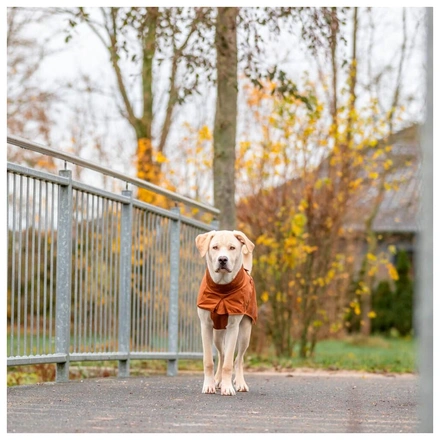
227 307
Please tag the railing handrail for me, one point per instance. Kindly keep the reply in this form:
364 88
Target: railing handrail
71 158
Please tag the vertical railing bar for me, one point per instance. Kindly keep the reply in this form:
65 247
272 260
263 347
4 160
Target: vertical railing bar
111 277
181 299
144 280
52 276
96 270
103 327
182 331
20 248
193 275
124 288
137 287
187 285
79 265
133 285
39 267
14 209
26 270
173 307
134 296
33 269
107 271
156 285
116 276
76 277
151 267
183 317
101 272
92 250
140 279
8 175
162 268
46 215
86 280
149 287
166 284
64 276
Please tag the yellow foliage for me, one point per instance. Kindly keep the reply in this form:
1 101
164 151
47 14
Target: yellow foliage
160 157
372 271
205 134
388 164
392 272
264 296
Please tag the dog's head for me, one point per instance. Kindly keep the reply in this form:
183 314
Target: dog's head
225 251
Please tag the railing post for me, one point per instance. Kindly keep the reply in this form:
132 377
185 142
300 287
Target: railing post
63 276
125 285
173 312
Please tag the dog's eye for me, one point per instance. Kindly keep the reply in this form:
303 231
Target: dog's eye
232 248
215 248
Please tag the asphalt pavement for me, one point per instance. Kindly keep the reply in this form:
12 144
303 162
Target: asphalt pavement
278 402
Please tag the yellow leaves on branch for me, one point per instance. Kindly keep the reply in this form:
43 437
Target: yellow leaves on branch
160 157
205 134
392 271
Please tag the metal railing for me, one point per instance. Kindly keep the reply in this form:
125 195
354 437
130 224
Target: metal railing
94 275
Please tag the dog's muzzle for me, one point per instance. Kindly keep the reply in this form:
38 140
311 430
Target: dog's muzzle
222 264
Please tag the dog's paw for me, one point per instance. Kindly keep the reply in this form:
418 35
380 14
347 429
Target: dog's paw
208 387
241 386
227 390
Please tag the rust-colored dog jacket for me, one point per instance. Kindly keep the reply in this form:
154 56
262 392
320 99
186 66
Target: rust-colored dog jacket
236 298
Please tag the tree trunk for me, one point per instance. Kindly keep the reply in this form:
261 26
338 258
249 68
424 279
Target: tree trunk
147 168
225 123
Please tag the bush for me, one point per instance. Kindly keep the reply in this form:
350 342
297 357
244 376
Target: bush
382 304
403 295
394 308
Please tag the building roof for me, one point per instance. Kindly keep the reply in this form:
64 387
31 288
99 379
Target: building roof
398 211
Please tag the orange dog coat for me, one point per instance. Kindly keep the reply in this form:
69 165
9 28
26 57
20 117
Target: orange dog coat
236 298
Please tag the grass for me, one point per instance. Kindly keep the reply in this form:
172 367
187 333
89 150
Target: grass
374 354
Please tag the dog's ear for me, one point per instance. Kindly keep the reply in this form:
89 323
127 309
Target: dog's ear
202 242
248 245
247 249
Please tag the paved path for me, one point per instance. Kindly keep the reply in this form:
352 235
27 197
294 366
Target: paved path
278 402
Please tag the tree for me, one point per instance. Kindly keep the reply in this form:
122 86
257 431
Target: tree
28 104
146 37
225 124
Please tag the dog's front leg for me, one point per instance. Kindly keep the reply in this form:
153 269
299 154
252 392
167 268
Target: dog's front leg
231 336
208 361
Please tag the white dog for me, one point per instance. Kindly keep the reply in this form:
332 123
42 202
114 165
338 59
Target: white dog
226 306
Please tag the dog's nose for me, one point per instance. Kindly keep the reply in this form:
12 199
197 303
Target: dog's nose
223 260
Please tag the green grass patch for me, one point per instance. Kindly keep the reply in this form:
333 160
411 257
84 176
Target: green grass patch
373 354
